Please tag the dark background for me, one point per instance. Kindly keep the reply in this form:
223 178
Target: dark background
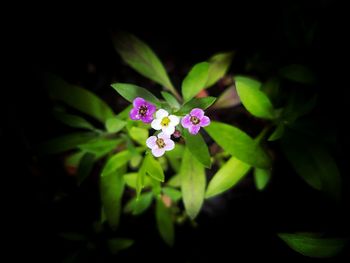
239 225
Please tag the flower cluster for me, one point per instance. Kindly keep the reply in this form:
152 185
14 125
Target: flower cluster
144 111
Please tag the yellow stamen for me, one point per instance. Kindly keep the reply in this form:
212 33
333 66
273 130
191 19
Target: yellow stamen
165 121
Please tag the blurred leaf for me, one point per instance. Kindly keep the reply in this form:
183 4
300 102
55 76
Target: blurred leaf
131 180
135 161
141 58
297 106
66 142
73 120
271 88
85 167
198 148
239 144
115 162
175 156
116 245
201 103
312 246
73 159
124 114
79 98
165 222
73 236
153 168
261 178
174 104
114 125
253 99
229 98
139 135
313 163
227 176
219 65
140 205
100 146
298 73
156 187
192 183
130 92
112 188
174 194
277 133
175 181
195 80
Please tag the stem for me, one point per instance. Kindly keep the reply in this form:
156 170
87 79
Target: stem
175 93
262 134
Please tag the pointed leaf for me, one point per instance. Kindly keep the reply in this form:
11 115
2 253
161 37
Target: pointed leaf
229 98
73 121
115 162
174 194
173 103
195 81
202 103
277 133
153 168
131 180
139 135
100 146
198 148
130 92
114 125
116 245
298 73
261 177
219 65
140 205
175 156
85 167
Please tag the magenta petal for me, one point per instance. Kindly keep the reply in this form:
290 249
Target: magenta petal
138 102
197 112
205 121
134 114
194 129
186 121
147 118
151 108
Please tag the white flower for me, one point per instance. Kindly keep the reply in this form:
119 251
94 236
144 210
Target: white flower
165 122
159 144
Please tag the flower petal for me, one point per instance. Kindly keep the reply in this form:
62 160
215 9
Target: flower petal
151 108
168 130
157 152
169 144
151 142
156 124
134 114
194 129
205 121
199 113
147 118
138 102
186 121
163 135
160 114
174 120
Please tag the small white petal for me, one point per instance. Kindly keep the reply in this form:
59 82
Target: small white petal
174 120
169 130
157 152
160 114
164 135
169 144
156 124
151 142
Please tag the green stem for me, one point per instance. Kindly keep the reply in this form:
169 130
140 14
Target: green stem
262 134
175 93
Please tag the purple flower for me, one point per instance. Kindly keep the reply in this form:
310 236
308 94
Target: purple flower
195 120
160 143
143 110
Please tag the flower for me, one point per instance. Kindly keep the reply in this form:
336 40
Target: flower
143 110
165 122
160 143
195 120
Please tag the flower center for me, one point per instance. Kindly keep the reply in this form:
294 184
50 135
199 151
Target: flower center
194 120
143 111
165 121
160 142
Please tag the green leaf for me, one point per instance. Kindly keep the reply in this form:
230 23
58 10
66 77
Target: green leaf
66 142
79 98
253 99
198 148
312 246
229 98
139 135
73 159
175 181
239 144
85 167
100 146
116 245
131 180
165 222
261 178
112 188
219 65
175 156
140 205
153 168
271 88
192 183
130 92
114 125
298 73
173 103
115 162
195 81
312 163
156 187
174 194
227 176
141 58
202 103
277 133
73 120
